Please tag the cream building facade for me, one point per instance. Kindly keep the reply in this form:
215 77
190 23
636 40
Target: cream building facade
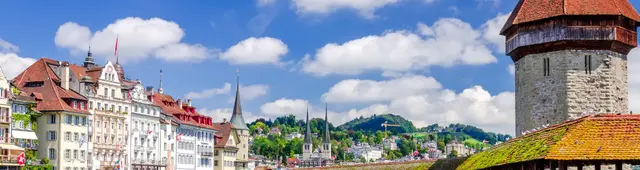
145 129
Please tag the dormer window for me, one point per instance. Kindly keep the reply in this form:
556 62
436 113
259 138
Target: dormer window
82 106
75 104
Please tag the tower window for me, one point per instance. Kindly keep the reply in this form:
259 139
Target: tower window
545 66
587 64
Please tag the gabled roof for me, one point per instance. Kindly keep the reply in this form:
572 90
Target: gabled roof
533 10
598 137
49 95
225 133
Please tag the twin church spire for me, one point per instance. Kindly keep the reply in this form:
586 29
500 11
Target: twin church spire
326 138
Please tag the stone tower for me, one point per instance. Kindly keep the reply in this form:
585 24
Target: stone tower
570 58
307 146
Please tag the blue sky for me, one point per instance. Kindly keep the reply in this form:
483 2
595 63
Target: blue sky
432 61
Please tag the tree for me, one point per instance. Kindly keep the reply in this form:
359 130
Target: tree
453 154
371 140
379 137
363 160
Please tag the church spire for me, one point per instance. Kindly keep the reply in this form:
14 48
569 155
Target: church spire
236 118
88 61
160 89
307 132
326 138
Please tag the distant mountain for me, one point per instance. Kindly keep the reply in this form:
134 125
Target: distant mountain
374 123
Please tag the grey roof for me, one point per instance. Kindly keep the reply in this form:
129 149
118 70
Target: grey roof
326 138
307 133
236 118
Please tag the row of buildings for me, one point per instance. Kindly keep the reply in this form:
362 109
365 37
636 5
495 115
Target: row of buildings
92 117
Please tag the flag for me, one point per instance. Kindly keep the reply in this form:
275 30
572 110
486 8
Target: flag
178 136
20 159
116 166
149 132
116 50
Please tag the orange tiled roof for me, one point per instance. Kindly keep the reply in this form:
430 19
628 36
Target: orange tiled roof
533 10
49 95
599 137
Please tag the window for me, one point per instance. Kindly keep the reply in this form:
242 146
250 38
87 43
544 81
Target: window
99 106
82 155
90 104
98 123
82 137
84 121
82 105
69 119
76 137
52 135
587 64
67 136
113 93
75 154
67 154
75 104
77 120
545 66
52 119
106 92
119 108
52 154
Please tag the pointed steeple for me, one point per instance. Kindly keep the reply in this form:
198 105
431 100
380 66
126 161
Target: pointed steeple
307 132
326 138
160 89
236 118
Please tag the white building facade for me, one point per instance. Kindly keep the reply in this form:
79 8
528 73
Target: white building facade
145 130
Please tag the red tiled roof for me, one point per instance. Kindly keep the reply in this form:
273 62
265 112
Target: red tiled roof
49 95
224 133
533 10
170 107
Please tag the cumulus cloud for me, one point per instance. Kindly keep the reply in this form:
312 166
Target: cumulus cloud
491 31
357 90
431 104
285 106
249 92
446 43
634 81
11 64
220 114
264 50
265 2
366 8
8 47
138 39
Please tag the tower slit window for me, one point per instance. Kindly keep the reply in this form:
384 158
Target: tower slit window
545 67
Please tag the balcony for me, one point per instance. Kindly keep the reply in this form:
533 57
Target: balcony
148 162
206 153
30 146
110 111
8 159
5 119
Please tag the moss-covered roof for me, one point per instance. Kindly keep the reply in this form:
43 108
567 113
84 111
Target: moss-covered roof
601 137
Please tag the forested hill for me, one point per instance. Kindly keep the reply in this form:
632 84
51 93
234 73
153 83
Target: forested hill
374 123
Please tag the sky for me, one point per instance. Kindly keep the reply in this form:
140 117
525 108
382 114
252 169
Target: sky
430 61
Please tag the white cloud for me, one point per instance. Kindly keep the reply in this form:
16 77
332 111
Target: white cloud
7 47
285 106
634 80
11 64
512 69
249 92
138 39
356 90
209 92
447 42
265 50
265 2
424 106
219 115
491 31
366 8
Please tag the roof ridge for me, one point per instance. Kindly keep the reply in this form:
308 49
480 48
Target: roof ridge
55 91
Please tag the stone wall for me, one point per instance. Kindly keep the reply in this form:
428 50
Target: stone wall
408 165
569 89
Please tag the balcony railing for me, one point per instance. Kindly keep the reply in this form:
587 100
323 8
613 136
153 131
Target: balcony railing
8 159
5 119
148 162
31 146
206 153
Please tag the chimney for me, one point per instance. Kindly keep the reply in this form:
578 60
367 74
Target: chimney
180 103
64 75
189 102
224 120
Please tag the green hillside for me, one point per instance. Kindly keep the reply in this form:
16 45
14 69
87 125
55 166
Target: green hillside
374 123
